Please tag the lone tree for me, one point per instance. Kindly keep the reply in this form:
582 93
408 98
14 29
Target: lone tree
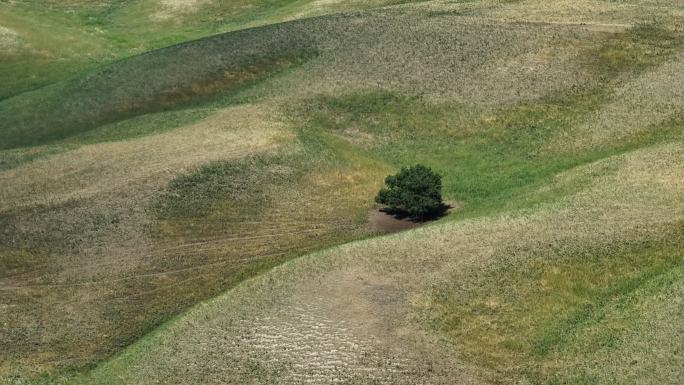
414 191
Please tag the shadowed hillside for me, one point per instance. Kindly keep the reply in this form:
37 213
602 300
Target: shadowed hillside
44 41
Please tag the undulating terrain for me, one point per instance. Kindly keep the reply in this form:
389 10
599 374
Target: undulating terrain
186 192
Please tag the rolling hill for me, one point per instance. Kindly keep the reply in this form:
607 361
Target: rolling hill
186 188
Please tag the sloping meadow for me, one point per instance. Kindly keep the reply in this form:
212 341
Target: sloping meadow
135 191
568 292
46 41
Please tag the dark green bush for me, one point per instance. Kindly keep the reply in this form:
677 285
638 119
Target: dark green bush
414 191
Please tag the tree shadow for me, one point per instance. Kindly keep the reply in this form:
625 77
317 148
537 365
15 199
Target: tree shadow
440 212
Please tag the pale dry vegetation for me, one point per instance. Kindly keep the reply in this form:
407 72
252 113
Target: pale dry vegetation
173 8
141 163
104 250
652 98
84 215
9 41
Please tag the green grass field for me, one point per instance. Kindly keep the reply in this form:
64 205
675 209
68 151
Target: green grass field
186 189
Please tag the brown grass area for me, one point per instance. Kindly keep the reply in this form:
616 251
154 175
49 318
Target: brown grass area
610 16
650 99
170 8
86 212
99 267
469 59
9 40
149 161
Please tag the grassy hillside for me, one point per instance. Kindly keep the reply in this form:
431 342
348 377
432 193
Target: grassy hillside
137 189
44 41
172 77
582 290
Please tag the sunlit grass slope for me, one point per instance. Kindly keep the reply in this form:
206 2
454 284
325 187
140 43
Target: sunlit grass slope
138 189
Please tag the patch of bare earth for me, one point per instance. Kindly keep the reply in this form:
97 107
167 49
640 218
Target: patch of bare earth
386 223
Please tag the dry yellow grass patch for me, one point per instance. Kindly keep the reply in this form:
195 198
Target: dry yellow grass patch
652 98
319 7
9 40
173 8
99 260
149 161
597 15
441 56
